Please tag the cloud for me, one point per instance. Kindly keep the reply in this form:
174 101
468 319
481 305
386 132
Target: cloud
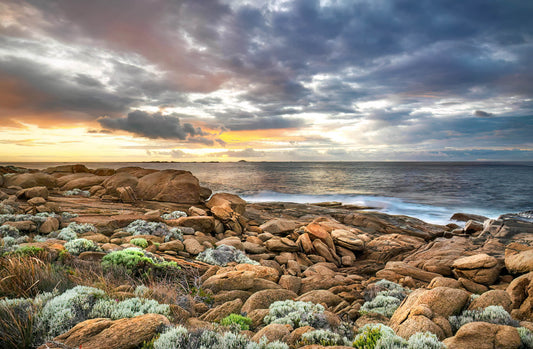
154 126
482 114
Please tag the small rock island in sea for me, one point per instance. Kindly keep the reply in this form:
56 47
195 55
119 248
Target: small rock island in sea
141 258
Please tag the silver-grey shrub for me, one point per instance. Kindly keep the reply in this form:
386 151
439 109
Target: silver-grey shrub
526 337
494 314
67 309
323 337
180 338
74 229
296 314
426 340
77 191
142 227
224 254
173 215
77 246
8 230
383 297
131 307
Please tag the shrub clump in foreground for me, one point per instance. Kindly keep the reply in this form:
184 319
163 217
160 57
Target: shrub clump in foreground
139 242
133 259
242 322
384 297
494 314
297 314
180 338
77 246
74 229
142 227
224 254
323 337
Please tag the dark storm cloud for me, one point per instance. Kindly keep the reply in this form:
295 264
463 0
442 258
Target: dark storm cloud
154 126
239 121
482 114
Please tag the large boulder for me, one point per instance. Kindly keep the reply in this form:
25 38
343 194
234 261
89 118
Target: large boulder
137 172
77 168
263 299
428 310
219 312
169 185
521 292
121 179
120 334
480 268
483 335
279 226
348 240
219 199
395 271
28 180
34 192
205 224
519 258
82 182
508 228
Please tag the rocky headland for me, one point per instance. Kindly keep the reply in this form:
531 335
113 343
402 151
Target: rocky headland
141 258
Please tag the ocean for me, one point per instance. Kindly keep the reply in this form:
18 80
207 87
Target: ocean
431 191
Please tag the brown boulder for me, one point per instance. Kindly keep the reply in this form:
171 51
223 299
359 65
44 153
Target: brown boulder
263 299
237 204
435 305
122 179
169 185
126 194
348 240
521 292
86 181
119 334
391 246
77 168
321 297
281 245
480 268
205 224
279 226
483 335
394 271
136 171
492 297
49 225
218 313
28 180
272 332
518 258
33 192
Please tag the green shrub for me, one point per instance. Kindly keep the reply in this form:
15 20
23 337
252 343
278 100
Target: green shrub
77 246
235 319
224 254
28 251
494 314
526 337
377 336
297 314
132 258
140 242
426 340
323 337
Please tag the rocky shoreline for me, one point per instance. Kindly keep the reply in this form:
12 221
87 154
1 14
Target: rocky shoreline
427 285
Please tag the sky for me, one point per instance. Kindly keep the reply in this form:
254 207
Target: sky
273 80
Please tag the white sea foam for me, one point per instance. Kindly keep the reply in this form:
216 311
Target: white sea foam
389 205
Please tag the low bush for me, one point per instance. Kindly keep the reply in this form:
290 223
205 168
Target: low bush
323 337
8 230
377 336
494 314
526 337
134 261
297 314
131 307
224 254
173 215
67 309
242 322
426 340
142 227
139 242
180 338
77 246
74 229
77 192
383 297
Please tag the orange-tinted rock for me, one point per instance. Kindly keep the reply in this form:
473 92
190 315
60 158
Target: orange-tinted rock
169 185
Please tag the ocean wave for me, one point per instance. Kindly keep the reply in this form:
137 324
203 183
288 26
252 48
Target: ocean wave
390 205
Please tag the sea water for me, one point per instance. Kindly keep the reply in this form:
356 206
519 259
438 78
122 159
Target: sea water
431 191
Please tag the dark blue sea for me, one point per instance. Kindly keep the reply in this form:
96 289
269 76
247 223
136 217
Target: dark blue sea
431 191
